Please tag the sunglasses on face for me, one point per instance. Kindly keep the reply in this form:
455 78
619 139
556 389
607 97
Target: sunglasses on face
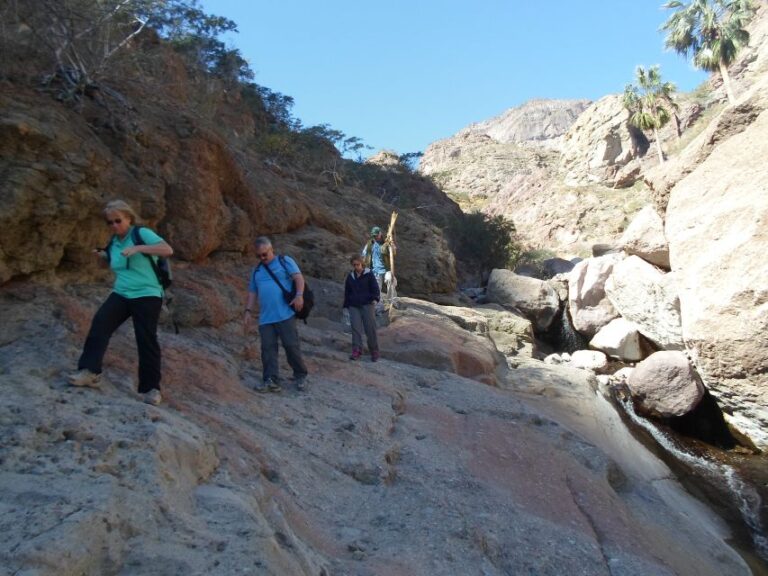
263 255
115 221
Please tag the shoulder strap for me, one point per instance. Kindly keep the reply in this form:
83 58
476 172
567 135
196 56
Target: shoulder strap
139 241
136 235
285 292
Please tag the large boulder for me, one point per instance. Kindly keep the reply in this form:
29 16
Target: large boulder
590 308
600 143
717 226
437 337
511 332
620 339
644 237
646 296
536 299
665 384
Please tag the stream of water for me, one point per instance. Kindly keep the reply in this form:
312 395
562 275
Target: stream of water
722 478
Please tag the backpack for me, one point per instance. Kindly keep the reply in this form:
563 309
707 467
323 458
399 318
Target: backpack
309 296
160 264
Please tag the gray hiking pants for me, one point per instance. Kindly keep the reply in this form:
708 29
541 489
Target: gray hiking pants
364 318
286 333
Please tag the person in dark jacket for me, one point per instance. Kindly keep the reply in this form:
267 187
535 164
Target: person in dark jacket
361 293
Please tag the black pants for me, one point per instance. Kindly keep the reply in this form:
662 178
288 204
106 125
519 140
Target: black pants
116 310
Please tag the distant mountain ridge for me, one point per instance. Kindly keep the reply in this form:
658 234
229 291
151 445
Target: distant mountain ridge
539 120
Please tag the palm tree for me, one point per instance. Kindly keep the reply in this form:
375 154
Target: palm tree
712 31
651 103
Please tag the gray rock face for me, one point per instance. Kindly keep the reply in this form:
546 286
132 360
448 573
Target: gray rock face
717 225
518 176
644 237
534 121
649 298
589 305
536 299
665 384
600 143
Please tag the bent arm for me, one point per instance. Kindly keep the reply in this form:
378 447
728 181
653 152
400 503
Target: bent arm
159 249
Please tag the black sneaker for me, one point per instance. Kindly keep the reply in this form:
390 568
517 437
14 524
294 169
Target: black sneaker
301 383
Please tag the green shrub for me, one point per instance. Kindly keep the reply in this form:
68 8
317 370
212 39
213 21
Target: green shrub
484 242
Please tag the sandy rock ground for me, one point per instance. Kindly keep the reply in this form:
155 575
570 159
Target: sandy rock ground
385 469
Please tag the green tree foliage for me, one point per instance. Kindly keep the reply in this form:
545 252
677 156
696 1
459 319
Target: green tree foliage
194 33
487 242
410 160
77 41
650 103
711 31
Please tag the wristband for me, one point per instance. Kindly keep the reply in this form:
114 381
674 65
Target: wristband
299 293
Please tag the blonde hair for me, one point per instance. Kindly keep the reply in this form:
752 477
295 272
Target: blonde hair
122 207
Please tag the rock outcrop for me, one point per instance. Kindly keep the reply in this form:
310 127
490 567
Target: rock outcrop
512 166
716 225
600 143
540 121
194 189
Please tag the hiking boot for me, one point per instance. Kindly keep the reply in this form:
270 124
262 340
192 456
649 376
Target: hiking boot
375 356
273 385
356 353
301 383
153 397
85 379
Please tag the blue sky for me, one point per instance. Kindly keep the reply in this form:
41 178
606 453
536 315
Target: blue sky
401 74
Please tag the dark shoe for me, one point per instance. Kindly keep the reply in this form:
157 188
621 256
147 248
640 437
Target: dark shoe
356 353
375 356
301 383
273 385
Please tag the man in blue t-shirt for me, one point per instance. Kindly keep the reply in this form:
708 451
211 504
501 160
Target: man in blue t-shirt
277 320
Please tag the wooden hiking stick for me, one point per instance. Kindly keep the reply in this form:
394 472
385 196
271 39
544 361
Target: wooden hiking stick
390 240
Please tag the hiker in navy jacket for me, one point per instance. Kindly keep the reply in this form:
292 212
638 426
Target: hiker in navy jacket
361 293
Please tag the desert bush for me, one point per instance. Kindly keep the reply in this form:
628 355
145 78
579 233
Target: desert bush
484 241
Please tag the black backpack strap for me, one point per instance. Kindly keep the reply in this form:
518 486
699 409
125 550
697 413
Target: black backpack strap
285 292
139 241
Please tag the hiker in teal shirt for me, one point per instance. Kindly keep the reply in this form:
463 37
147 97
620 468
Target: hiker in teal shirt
137 293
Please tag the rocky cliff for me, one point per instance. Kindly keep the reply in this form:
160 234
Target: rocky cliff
196 171
553 167
715 196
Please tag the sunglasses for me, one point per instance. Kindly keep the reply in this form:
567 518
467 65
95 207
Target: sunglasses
262 255
115 221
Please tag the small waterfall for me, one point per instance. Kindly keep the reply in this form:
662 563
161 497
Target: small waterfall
745 497
562 336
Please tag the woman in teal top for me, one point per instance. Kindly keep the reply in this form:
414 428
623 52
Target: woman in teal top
137 293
